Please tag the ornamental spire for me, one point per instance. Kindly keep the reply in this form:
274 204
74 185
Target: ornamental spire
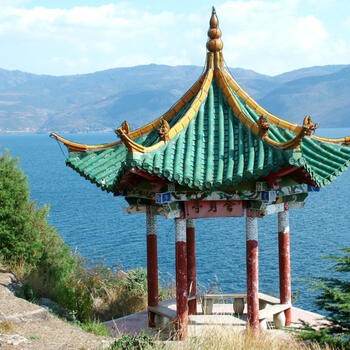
214 43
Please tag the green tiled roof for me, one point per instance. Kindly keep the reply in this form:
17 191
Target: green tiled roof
214 138
214 151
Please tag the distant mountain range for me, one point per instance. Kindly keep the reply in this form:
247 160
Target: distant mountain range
101 101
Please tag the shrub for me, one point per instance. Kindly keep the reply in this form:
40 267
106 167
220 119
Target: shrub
129 342
20 221
335 300
35 251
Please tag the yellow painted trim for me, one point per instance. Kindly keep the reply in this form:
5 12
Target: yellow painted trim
250 124
345 140
183 122
293 143
257 108
78 147
171 112
234 104
272 118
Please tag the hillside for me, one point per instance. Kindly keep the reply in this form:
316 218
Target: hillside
24 325
101 101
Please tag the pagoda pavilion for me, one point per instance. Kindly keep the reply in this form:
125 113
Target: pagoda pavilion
214 153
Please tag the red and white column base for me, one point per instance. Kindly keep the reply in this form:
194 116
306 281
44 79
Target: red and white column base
191 265
284 262
152 263
252 273
181 279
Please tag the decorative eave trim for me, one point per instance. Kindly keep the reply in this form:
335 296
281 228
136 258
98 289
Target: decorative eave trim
202 94
250 124
272 118
171 112
345 140
78 147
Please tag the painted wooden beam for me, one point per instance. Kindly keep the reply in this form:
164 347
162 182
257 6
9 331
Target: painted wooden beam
273 209
152 263
191 265
284 262
213 209
181 278
252 272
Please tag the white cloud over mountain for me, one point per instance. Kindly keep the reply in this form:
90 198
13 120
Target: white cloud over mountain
267 36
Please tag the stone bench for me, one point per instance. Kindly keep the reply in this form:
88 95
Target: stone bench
207 302
269 306
277 312
163 315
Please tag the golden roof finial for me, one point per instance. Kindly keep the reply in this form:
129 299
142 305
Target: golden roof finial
214 42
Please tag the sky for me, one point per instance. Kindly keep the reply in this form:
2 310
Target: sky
62 37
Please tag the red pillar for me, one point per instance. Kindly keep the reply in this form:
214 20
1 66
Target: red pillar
152 263
191 265
252 273
181 279
284 262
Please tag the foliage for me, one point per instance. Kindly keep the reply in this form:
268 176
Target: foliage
228 338
35 337
95 327
20 222
137 280
129 342
118 293
34 250
335 299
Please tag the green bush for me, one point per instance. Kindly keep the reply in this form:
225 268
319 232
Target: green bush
28 244
21 223
335 299
137 342
35 251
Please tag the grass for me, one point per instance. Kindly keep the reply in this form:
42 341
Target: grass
35 337
219 338
6 327
229 339
95 327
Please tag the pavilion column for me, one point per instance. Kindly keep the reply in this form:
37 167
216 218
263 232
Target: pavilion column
181 278
152 263
284 262
252 273
191 266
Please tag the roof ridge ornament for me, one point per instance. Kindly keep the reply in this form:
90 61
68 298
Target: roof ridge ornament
163 131
263 125
126 127
309 126
214 43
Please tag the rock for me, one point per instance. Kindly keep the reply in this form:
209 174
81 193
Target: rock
10 281
52 306
13 339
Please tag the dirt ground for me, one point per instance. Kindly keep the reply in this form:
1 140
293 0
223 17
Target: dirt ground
27 326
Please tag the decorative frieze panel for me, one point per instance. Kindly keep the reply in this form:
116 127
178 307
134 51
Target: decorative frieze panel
213 209
267 196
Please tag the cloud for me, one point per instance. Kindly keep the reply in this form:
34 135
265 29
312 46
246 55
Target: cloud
267 36
108 34
272 37
347 23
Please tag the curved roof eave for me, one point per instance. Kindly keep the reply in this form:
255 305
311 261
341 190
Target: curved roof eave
200 97
79 147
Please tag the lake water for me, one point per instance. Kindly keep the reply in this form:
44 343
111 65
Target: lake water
93 222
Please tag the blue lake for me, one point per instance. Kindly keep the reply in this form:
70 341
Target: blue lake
93 222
